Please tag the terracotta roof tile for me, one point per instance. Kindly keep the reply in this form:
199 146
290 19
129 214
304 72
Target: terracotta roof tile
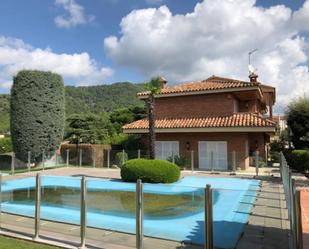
235 120
212 83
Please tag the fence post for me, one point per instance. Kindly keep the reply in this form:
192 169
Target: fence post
293 212
139 154
13 164
80 157
192 161
212 161
108 158
43 159
83 212
123 157
93 157
37 214
0 197
234 162
298 220
68 157
139 215
29 160
56 155
208 229
257 163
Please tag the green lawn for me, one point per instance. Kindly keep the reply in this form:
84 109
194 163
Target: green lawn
6 243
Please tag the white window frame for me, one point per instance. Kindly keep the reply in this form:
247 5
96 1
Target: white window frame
165 149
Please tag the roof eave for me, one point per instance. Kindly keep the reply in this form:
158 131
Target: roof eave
204 92
270 129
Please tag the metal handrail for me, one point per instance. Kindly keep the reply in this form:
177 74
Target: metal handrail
292 197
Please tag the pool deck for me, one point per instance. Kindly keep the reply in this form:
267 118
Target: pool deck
268 225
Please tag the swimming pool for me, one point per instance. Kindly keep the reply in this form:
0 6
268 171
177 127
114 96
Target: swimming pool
172 211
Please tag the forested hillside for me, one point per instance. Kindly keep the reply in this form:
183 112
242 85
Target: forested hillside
92 99
103 98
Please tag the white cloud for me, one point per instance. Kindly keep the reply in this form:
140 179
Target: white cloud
16 55
215 39
75 14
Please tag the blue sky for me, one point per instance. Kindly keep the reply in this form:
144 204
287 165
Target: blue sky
182 40
33 22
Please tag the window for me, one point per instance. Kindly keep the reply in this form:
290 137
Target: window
165 149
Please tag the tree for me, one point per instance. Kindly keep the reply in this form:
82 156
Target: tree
298 122
88 128
37 113
122 116
153 86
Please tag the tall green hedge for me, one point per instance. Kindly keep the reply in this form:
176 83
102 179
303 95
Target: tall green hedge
298 160
37 113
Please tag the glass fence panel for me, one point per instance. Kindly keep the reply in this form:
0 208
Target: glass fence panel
174 213
17 206
60 207
231 211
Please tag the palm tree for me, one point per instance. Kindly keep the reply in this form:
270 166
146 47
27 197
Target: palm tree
154 87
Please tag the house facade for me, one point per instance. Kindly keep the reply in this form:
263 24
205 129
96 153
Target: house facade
221 120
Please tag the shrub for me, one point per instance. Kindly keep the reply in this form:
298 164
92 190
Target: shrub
119 159
5 145
37 113
298 160
152 171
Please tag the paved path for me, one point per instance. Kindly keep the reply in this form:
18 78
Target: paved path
305 216
268 224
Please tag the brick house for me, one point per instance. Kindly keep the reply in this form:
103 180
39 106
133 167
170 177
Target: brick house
215 118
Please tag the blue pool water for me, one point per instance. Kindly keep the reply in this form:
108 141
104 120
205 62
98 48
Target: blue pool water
112 206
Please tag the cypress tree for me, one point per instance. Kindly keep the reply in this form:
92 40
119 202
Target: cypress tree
37 113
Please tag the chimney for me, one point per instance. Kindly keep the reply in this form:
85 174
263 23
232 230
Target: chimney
163 82
253 77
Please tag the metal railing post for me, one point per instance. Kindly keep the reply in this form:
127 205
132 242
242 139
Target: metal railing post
0 197
173 157
123 157
212 161
43 160
208 229
29 160
93 157
192 161
37 215
80 157
257 163
68 157
234 161
56 157
293 212
83 212
108 158
139 215
13 164
298 219
138 154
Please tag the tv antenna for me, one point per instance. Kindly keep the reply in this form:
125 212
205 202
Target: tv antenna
250 67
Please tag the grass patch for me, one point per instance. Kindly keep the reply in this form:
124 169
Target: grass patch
6 242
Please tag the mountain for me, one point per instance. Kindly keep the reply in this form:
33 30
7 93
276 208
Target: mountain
94 99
